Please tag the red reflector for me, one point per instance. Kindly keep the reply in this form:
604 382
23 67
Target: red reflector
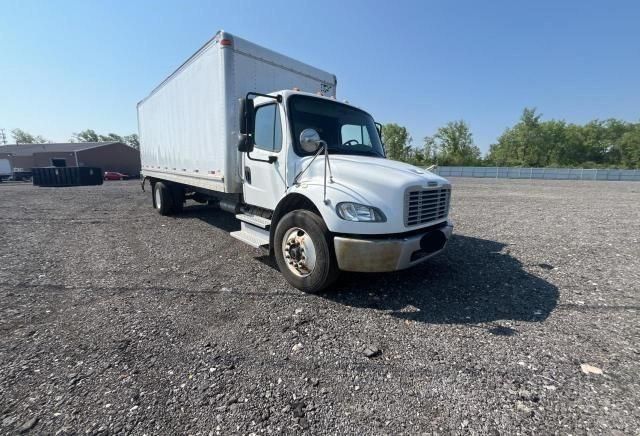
225 42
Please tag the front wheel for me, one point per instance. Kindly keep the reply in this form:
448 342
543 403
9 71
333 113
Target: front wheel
304 252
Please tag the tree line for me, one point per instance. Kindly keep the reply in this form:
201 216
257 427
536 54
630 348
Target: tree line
531 142
88 135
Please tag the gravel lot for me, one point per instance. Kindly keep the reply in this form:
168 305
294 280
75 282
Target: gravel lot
117 320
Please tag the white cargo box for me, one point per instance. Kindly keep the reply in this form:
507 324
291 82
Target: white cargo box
188 125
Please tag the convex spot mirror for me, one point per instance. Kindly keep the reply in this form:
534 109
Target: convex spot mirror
310 140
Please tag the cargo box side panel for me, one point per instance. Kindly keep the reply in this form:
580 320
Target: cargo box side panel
182 123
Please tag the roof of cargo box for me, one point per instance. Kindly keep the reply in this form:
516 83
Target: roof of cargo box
248 48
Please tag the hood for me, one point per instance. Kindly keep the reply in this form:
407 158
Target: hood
387 166
373 180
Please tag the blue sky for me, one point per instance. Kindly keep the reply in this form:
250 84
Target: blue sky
71 65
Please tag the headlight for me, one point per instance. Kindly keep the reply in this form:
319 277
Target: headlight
359 212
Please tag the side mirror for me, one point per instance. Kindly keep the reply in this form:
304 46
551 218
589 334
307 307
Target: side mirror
246 112
379 129
310 140
245 143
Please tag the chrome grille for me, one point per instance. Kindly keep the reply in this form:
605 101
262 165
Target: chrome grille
423 206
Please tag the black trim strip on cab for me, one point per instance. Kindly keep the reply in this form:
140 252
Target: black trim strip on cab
395 235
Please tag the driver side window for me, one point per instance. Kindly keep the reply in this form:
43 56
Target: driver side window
355 134
268 130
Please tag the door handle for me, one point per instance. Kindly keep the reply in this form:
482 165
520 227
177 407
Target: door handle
247 174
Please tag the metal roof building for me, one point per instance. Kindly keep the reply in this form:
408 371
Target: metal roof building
109 156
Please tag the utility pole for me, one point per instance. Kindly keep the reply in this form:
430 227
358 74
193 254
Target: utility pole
3 137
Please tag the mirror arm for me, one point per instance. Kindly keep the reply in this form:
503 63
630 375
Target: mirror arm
327 163
270 159
295 179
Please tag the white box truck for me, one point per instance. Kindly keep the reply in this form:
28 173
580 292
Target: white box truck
262 136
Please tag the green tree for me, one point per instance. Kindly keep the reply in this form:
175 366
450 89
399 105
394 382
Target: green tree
22 137
453 144
630 147
521 144
132 141
87 135
90 135
533 142
111 137
430 150
569 148
397 141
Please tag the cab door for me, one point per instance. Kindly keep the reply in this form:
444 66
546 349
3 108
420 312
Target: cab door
264 182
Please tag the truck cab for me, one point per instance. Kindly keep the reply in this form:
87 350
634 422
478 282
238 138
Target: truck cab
337 202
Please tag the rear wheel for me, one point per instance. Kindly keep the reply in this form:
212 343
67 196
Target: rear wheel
162 198
304 252
177 196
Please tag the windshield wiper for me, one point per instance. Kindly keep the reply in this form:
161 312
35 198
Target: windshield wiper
370 153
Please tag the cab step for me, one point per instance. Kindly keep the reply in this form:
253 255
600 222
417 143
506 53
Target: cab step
252 235
255 220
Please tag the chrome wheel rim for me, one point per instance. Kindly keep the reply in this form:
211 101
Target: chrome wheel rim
158 198
299 252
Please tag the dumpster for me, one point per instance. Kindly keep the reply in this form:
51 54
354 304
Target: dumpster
67 176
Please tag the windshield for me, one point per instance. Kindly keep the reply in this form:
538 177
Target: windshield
346 130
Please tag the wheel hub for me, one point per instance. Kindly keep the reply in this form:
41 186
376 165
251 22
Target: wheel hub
296 253
299 252
158 198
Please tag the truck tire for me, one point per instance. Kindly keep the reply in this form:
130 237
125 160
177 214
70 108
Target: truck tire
304 252
177 198
162 199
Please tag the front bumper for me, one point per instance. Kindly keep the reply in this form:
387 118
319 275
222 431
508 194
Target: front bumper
380 255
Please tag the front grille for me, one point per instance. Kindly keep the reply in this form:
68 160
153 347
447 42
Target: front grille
423 206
